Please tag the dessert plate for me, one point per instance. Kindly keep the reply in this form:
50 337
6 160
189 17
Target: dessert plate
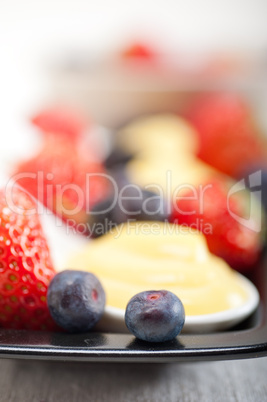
248 339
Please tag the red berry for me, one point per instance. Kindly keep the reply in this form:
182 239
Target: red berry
60 122
226 236
138 51
229 138
58 177
25 265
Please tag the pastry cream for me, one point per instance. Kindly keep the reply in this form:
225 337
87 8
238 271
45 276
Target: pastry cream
139 256
158 135
164 148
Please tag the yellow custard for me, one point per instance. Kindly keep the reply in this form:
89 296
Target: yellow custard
157 136
139 256
164 147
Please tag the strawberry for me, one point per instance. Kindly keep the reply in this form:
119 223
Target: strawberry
57 175
25 265
60 121
210 213
138 51
229 138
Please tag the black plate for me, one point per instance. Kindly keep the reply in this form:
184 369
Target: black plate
246 340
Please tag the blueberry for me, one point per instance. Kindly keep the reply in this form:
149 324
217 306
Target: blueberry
104 216
155 316
76 300
120 177
117 157
134 204
149 206
101 214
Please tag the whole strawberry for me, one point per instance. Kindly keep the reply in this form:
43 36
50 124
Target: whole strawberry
25 265
65 175
223 221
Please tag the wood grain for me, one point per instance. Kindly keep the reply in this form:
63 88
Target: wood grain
42 381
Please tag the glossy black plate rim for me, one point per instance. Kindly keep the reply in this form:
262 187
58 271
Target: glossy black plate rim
249 341
124 347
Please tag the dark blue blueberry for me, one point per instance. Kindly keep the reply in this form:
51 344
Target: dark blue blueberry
117 157
101 216
76 300
133 204
155 316
144 205
119 175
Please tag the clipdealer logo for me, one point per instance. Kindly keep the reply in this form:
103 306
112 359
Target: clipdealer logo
254 220
170 193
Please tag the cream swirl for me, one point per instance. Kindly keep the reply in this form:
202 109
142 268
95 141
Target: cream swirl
140 256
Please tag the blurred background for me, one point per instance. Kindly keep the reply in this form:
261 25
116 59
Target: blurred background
35 34
72 52
114 61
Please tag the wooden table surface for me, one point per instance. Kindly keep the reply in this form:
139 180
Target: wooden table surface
43 381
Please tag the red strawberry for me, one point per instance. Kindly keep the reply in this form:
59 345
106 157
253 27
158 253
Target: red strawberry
60 121
58 175
226 236
229 138
138 51
25 265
